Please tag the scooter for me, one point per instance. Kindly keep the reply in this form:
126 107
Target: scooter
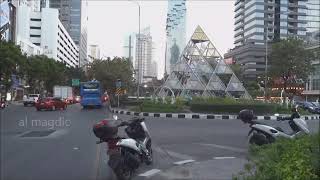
125 154
264 134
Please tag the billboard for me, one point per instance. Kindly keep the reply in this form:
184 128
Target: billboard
4 20
4 14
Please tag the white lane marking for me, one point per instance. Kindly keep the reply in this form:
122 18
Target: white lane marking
178 155
224 147
171 153
75 148
183 162
224 157
150 173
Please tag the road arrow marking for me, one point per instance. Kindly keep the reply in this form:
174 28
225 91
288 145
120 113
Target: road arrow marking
183 162
150 173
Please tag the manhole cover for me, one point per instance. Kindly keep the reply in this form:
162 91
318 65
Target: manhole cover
38 133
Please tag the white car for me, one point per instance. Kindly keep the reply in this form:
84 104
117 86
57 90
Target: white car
30 99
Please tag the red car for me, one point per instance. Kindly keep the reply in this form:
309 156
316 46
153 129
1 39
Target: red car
51 103
105 97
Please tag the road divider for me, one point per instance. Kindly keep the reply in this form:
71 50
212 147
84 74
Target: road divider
199 116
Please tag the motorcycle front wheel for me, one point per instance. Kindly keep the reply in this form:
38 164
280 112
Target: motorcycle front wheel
124 174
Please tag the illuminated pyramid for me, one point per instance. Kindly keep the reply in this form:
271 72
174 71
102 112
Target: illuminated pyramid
201 71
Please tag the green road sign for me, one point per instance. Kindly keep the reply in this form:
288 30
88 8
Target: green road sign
75 82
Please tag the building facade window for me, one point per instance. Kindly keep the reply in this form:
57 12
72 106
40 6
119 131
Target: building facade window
35 35
33 27
34 19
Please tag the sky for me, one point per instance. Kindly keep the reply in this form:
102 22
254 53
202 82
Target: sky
109 22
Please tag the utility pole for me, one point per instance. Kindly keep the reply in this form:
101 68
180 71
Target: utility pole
140 57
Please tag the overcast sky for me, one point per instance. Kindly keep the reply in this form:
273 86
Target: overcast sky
110 22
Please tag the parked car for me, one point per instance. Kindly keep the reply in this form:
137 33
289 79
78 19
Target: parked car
311 107
51 103
30 99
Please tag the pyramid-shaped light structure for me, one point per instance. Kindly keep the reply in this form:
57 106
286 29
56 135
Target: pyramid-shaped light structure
198 71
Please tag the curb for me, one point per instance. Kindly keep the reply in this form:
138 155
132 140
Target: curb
199 116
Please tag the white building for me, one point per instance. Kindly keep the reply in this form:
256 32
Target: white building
154 69
94 52
43 33
23 30
144 55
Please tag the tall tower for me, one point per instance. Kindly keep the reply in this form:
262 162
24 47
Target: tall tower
259 21
176 32
144 54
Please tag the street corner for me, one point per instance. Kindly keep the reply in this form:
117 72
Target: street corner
217 168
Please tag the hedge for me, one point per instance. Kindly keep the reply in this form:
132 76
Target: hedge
286 159
232 108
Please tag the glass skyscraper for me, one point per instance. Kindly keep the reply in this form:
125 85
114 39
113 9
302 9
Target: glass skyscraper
176 32
313 15
258 21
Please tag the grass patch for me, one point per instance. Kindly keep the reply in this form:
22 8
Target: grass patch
286 159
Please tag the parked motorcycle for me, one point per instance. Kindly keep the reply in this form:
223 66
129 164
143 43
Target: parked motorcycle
125 154
264 134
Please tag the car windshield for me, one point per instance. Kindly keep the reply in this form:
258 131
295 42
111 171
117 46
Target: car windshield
309 104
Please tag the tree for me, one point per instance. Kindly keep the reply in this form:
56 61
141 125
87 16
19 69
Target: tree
108 71
11 63
290 61
236 68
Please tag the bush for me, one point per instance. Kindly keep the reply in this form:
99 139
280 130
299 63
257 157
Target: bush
153 106
286 159
229 105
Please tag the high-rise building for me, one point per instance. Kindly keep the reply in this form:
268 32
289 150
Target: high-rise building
313 15
258 21
154 69
74 17
43 33
8 20
144 55
176 32
129 47
94 52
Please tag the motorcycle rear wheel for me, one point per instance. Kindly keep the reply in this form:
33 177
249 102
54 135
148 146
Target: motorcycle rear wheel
258 139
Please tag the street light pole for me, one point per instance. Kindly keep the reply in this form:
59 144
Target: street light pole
266 69
139 57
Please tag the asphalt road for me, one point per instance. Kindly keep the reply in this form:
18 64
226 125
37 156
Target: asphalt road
211 149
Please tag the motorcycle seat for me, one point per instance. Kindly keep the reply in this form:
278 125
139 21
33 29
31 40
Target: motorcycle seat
279 129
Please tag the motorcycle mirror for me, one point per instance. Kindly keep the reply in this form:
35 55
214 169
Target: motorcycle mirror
277 114
115 117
